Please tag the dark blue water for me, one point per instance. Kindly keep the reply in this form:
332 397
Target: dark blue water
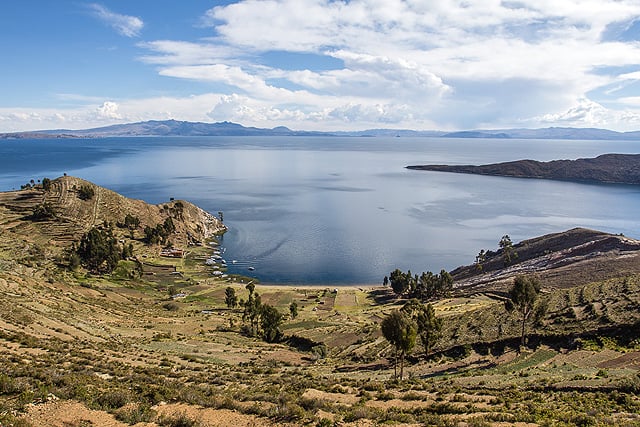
342 210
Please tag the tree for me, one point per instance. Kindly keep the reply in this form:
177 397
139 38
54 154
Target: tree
400 330
480 259
230 298
293 309
399 281
429 326
270 320
522 298
46 184
507 248
445 284
252 309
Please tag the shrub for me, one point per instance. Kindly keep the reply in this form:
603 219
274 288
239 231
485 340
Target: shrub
179 420
171 306
86 192
10 420
113 399
288 412
135 413
42 212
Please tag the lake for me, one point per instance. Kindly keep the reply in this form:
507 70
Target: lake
335 211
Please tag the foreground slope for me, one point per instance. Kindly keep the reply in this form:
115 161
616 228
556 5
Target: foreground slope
163 348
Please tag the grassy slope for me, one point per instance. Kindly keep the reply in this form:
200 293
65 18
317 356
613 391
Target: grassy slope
111 343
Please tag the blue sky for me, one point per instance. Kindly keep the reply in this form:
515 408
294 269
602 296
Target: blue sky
320 64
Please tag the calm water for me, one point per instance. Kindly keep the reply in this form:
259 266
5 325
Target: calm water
342 210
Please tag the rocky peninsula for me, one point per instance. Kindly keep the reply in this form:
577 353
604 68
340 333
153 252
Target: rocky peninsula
606 168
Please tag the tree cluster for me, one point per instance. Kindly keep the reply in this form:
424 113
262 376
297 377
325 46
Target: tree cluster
45 184
99 250
402 327
176 210
131 222
427 286
264 320
160 233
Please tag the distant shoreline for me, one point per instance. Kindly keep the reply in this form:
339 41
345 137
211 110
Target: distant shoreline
604 169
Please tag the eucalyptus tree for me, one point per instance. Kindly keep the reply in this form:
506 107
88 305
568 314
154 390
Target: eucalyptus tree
522 298
429 326
230 297
400 330
507 248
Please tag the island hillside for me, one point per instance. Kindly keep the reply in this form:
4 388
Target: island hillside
607 168
115 312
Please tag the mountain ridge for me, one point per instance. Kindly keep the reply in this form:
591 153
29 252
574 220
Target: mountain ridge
226 128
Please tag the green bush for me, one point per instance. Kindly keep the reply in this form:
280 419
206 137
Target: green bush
133 414
171 306
113 399
86 192
179 420
42 212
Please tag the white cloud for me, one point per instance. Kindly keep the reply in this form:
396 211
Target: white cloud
455 63
451 64
108 110
586 113
129 26
242 109
171 52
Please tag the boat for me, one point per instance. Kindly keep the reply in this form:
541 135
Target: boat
251 268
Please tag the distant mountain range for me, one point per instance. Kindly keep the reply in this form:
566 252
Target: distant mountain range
182 128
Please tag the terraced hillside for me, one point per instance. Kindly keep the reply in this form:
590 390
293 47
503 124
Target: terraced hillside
72 216
571 258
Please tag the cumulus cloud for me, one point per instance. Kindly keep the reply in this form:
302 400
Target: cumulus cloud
588 113
455 64
108 110
128 26
243 109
